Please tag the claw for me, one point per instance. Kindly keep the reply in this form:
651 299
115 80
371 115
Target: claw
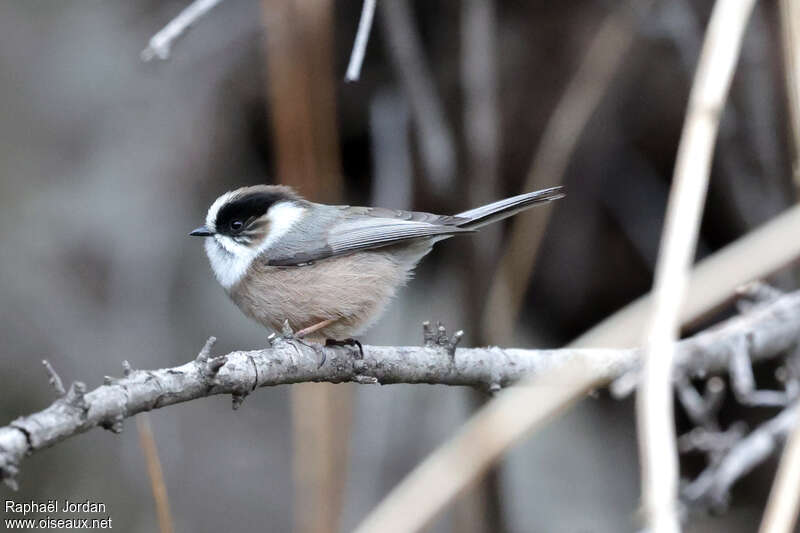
347 342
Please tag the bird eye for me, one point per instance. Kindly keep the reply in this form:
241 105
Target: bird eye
237 225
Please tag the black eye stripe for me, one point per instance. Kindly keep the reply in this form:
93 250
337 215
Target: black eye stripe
245 209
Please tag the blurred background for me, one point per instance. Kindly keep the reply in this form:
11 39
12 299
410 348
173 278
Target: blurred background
106 162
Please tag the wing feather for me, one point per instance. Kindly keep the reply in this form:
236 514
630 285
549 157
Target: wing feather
365 232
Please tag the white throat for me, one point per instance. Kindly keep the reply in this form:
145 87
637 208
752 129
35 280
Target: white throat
230 260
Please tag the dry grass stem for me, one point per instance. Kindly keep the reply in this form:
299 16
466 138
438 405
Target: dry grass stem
360 44
161 43
148 444
784 500
790 33
782 508
654 405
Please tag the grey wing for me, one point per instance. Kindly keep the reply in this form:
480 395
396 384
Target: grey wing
399 214
365 228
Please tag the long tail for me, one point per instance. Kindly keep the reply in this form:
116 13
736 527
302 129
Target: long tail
481 216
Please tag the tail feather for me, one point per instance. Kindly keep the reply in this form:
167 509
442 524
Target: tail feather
481 216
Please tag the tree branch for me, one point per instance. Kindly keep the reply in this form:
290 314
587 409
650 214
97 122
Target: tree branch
712 487
769 329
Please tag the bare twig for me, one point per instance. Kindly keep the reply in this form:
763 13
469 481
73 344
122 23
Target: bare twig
160 44
436 140
147 443
730 454
743 382
55 379
205 352
701 409
712 486
360 44
657 445
774 328
712 442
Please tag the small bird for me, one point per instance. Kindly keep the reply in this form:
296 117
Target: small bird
328 270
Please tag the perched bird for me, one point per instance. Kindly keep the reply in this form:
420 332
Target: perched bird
329 270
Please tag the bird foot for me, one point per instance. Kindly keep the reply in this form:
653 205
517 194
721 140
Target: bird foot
287 335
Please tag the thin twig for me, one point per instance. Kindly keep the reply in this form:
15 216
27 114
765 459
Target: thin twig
160 44
54 378
436 139
147 443
655 417
712 486
360 44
